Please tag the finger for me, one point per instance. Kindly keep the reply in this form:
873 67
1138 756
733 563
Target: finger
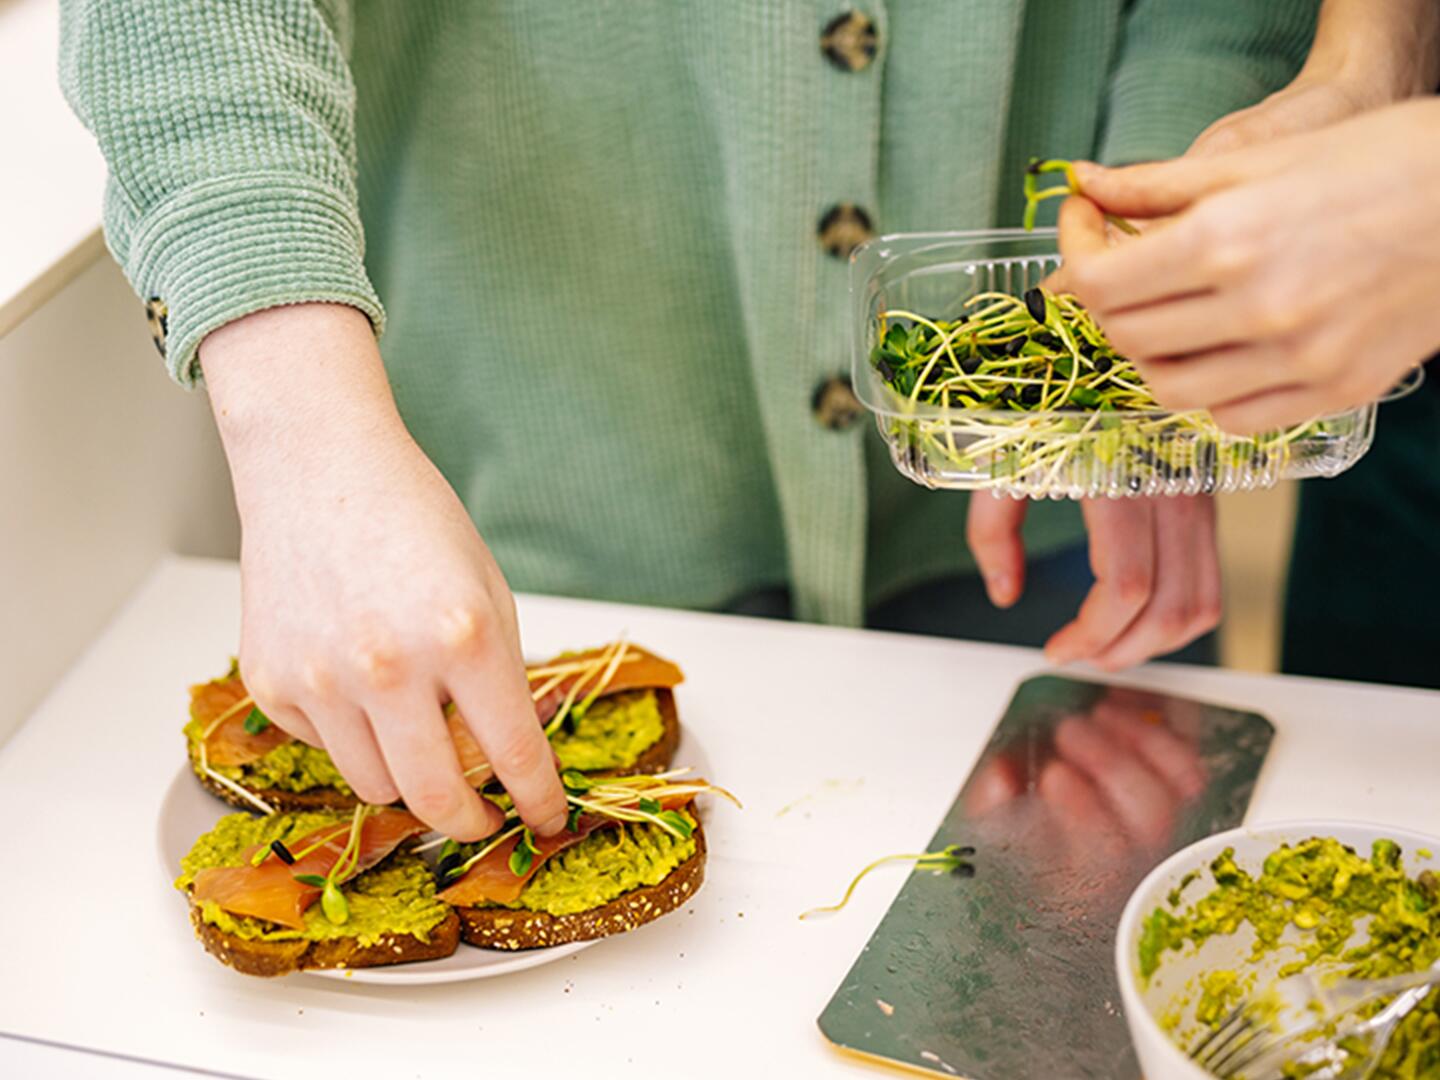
493 696
1136 795
1122 556
417 750
1161 264
1204 380
1081 233
1162 188
290 719
1172 618
1276 409
348 739
993 532
1188 324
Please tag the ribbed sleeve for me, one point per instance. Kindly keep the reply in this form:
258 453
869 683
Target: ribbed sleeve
229 131
1185 63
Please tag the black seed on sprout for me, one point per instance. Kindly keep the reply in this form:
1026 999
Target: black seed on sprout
886 371
1014 345
1087 348
1007 395
970 364
282 852
1035 304
1046 340
964 869
1034 167
1103 363
965 852
1134 484
1030 395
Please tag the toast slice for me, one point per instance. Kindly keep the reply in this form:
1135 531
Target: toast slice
272 958
655 758
514 929
256 900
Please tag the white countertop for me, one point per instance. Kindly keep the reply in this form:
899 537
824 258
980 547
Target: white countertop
866 736
52 178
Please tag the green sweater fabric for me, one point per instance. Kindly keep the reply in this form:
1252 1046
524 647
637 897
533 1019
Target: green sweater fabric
594 231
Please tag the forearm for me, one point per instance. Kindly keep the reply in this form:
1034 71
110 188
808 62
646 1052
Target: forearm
1382 51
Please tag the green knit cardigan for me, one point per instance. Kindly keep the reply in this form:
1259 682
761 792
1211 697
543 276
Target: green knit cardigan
593 226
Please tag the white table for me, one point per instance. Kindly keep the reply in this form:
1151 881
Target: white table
864 737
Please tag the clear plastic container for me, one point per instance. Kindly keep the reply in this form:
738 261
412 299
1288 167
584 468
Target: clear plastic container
1055 454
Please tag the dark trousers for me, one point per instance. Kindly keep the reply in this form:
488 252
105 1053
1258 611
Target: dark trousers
957 607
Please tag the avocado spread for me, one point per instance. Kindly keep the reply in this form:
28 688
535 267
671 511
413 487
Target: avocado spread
396 897
613 732
605 865
1327 892
292 766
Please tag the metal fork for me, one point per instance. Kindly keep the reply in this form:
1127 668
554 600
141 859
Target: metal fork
1251 1041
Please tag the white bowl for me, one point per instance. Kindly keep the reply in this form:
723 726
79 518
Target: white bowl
1160 1055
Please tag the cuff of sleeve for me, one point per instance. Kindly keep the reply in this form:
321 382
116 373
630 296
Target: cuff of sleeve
217 251
1159 107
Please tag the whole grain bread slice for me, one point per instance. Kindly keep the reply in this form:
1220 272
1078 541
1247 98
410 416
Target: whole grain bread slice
271 958
509 928
656 758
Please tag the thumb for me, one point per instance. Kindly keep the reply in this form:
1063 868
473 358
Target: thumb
993 533
1082 231
1162 188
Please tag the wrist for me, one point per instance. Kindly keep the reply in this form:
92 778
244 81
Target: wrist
1376 55
291 388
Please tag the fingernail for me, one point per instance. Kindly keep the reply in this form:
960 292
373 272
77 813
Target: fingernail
1001 587
553 825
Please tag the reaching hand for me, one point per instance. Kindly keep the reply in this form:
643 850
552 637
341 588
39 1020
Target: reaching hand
368 597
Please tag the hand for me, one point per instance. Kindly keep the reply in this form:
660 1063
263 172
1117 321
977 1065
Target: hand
368 598
1297 278
1156 566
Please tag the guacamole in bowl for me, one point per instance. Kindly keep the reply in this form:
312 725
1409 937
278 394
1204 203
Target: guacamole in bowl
1227 917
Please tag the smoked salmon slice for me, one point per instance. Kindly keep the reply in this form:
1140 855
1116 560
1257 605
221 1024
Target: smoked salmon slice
492 881
269 891
230 744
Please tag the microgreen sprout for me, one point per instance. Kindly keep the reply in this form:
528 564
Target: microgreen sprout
640 799
1035 194
1022 387
951 859
256 721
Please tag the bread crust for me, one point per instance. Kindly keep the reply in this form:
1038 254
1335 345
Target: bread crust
509 928
656 758
272 958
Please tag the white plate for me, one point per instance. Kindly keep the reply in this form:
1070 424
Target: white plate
188 810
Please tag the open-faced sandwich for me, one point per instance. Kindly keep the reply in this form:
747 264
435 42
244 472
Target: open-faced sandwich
609 710
632 851
320 889
326 889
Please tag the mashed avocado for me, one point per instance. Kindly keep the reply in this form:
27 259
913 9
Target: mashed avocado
397 897
294 766
602 867
613 733
1325 890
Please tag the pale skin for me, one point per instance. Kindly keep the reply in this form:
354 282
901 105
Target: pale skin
368 597
1295 271
1241 302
